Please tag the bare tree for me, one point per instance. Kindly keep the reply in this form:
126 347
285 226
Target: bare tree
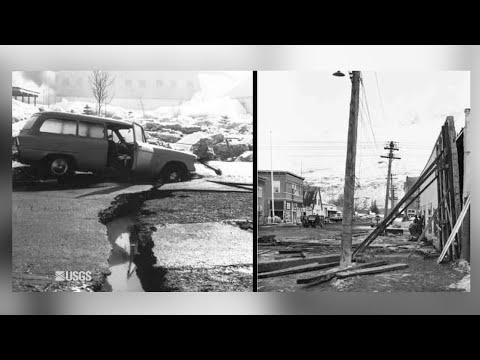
141 103
100 82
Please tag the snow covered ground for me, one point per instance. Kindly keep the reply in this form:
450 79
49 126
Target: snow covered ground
463 284
211 115
231 171
207 116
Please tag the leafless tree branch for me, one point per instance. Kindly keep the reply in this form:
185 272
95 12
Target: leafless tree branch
100 82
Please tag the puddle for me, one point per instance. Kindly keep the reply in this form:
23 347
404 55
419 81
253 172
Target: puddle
123 275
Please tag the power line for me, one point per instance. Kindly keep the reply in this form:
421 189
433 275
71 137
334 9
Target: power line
380 97
368 111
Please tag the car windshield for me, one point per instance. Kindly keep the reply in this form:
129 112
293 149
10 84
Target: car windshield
139 135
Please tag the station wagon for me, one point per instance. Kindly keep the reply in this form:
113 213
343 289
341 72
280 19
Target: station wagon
59 144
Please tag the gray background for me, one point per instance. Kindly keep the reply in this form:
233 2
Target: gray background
380 57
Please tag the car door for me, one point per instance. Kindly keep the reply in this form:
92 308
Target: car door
93 146
142 153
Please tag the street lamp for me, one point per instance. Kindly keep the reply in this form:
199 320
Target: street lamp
338 73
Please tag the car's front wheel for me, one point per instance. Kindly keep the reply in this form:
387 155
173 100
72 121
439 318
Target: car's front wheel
173 173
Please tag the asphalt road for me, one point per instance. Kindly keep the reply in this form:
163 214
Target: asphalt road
56 227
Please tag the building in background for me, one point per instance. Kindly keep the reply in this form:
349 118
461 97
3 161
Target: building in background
288 195
414 207
18 92
312 201
154 88
261 191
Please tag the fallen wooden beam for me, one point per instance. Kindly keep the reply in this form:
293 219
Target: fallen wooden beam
373 270
290 251
393 231
267 240
330 274
326 276
410 195
290 256
230 183
297 270
266 266
454 230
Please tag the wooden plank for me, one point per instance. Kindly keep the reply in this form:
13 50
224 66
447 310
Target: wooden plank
373 270
297 269
290 256
266 239
410 195
326 276
290 251
439 217
455 230
455 178
272 265
330 274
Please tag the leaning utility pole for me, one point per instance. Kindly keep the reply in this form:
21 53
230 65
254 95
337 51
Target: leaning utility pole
391 146
349 187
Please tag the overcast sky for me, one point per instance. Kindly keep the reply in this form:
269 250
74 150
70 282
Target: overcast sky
307 113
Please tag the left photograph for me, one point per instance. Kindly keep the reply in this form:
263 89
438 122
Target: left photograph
132 181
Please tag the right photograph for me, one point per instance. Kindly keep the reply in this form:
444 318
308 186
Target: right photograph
363 181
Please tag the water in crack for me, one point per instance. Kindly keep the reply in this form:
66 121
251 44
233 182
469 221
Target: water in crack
123 275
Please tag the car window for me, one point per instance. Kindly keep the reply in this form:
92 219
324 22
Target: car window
112 136
127 134
92 130
139 135
30 122
59 126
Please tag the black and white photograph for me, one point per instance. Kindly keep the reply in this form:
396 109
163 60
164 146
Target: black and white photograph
364 181
132 181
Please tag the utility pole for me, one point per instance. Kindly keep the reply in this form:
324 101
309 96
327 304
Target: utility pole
271 175
391 146
291 210
349 187
393 191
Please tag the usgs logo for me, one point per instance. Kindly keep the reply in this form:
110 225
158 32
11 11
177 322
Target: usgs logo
73 275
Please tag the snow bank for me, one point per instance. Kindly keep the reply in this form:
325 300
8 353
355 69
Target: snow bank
16 127
79 106
208 106
246 156
231 171
463 284
235 171
188 140
22 111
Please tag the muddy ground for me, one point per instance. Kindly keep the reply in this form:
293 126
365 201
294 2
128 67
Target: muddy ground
422 275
